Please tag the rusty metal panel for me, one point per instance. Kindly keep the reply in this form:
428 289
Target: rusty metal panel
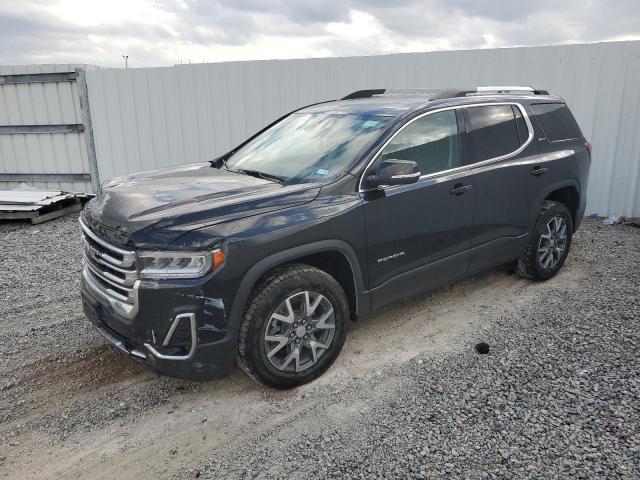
39 205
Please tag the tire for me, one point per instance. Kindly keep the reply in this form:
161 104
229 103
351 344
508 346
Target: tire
546 240
315 323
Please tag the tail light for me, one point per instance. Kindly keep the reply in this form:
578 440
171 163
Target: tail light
588 145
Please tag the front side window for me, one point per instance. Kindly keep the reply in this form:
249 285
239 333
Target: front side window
494 131
431 141
308 147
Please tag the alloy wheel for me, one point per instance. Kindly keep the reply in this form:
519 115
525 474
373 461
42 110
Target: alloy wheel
299 331
553 242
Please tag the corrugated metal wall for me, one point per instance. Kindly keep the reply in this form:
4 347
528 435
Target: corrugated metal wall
42 104
155 117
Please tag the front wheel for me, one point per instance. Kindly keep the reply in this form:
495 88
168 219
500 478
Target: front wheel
294 327
549 244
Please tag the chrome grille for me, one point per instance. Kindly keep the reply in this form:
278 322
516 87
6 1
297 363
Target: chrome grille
110 271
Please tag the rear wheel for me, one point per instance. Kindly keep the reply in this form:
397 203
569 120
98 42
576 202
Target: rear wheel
549 244
294 327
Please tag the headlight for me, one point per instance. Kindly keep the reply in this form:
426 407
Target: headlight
159 265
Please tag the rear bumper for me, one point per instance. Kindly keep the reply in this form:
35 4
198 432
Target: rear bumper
207 352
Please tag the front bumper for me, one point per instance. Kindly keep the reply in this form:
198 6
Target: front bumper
166 314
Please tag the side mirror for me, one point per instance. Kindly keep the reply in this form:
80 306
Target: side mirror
394 172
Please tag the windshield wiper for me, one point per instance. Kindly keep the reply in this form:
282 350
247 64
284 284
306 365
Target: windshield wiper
259 174
221 162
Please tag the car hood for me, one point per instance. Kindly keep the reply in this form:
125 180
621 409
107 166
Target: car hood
152 209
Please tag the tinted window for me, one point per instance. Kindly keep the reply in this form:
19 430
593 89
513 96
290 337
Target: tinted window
523 130
493 131
557 121
430 141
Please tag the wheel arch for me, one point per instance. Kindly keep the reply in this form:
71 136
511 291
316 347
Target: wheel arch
332 256
566 192
568 196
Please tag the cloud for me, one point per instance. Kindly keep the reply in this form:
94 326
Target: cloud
164 32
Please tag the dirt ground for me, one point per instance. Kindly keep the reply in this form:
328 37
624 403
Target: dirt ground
72 406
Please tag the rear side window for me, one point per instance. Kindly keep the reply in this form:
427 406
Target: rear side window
556 121
494 131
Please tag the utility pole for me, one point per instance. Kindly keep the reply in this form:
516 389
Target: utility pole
126 61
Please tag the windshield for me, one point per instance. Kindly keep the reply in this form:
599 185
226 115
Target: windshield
307 147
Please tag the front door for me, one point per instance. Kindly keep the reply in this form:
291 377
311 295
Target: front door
419 235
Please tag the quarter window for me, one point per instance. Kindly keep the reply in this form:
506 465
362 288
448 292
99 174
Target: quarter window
494 131
557 121
431 142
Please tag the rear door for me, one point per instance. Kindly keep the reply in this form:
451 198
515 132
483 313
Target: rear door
507 174
419 235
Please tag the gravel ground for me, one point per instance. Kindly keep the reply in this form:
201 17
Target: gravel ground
558 396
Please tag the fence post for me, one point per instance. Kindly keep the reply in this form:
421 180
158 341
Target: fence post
83 93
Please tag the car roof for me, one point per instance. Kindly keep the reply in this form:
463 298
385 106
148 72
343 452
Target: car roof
394 103
376 105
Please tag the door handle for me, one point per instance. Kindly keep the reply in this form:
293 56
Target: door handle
537 171
459 189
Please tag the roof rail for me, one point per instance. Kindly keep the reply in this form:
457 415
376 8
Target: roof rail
364 94
451 93
489 90
436 94
510 89
504 89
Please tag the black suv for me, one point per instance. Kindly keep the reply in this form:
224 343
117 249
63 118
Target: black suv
268 253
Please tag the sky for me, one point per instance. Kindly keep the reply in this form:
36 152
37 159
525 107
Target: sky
167 32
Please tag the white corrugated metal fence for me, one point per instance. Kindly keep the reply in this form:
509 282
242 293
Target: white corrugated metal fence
154 117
